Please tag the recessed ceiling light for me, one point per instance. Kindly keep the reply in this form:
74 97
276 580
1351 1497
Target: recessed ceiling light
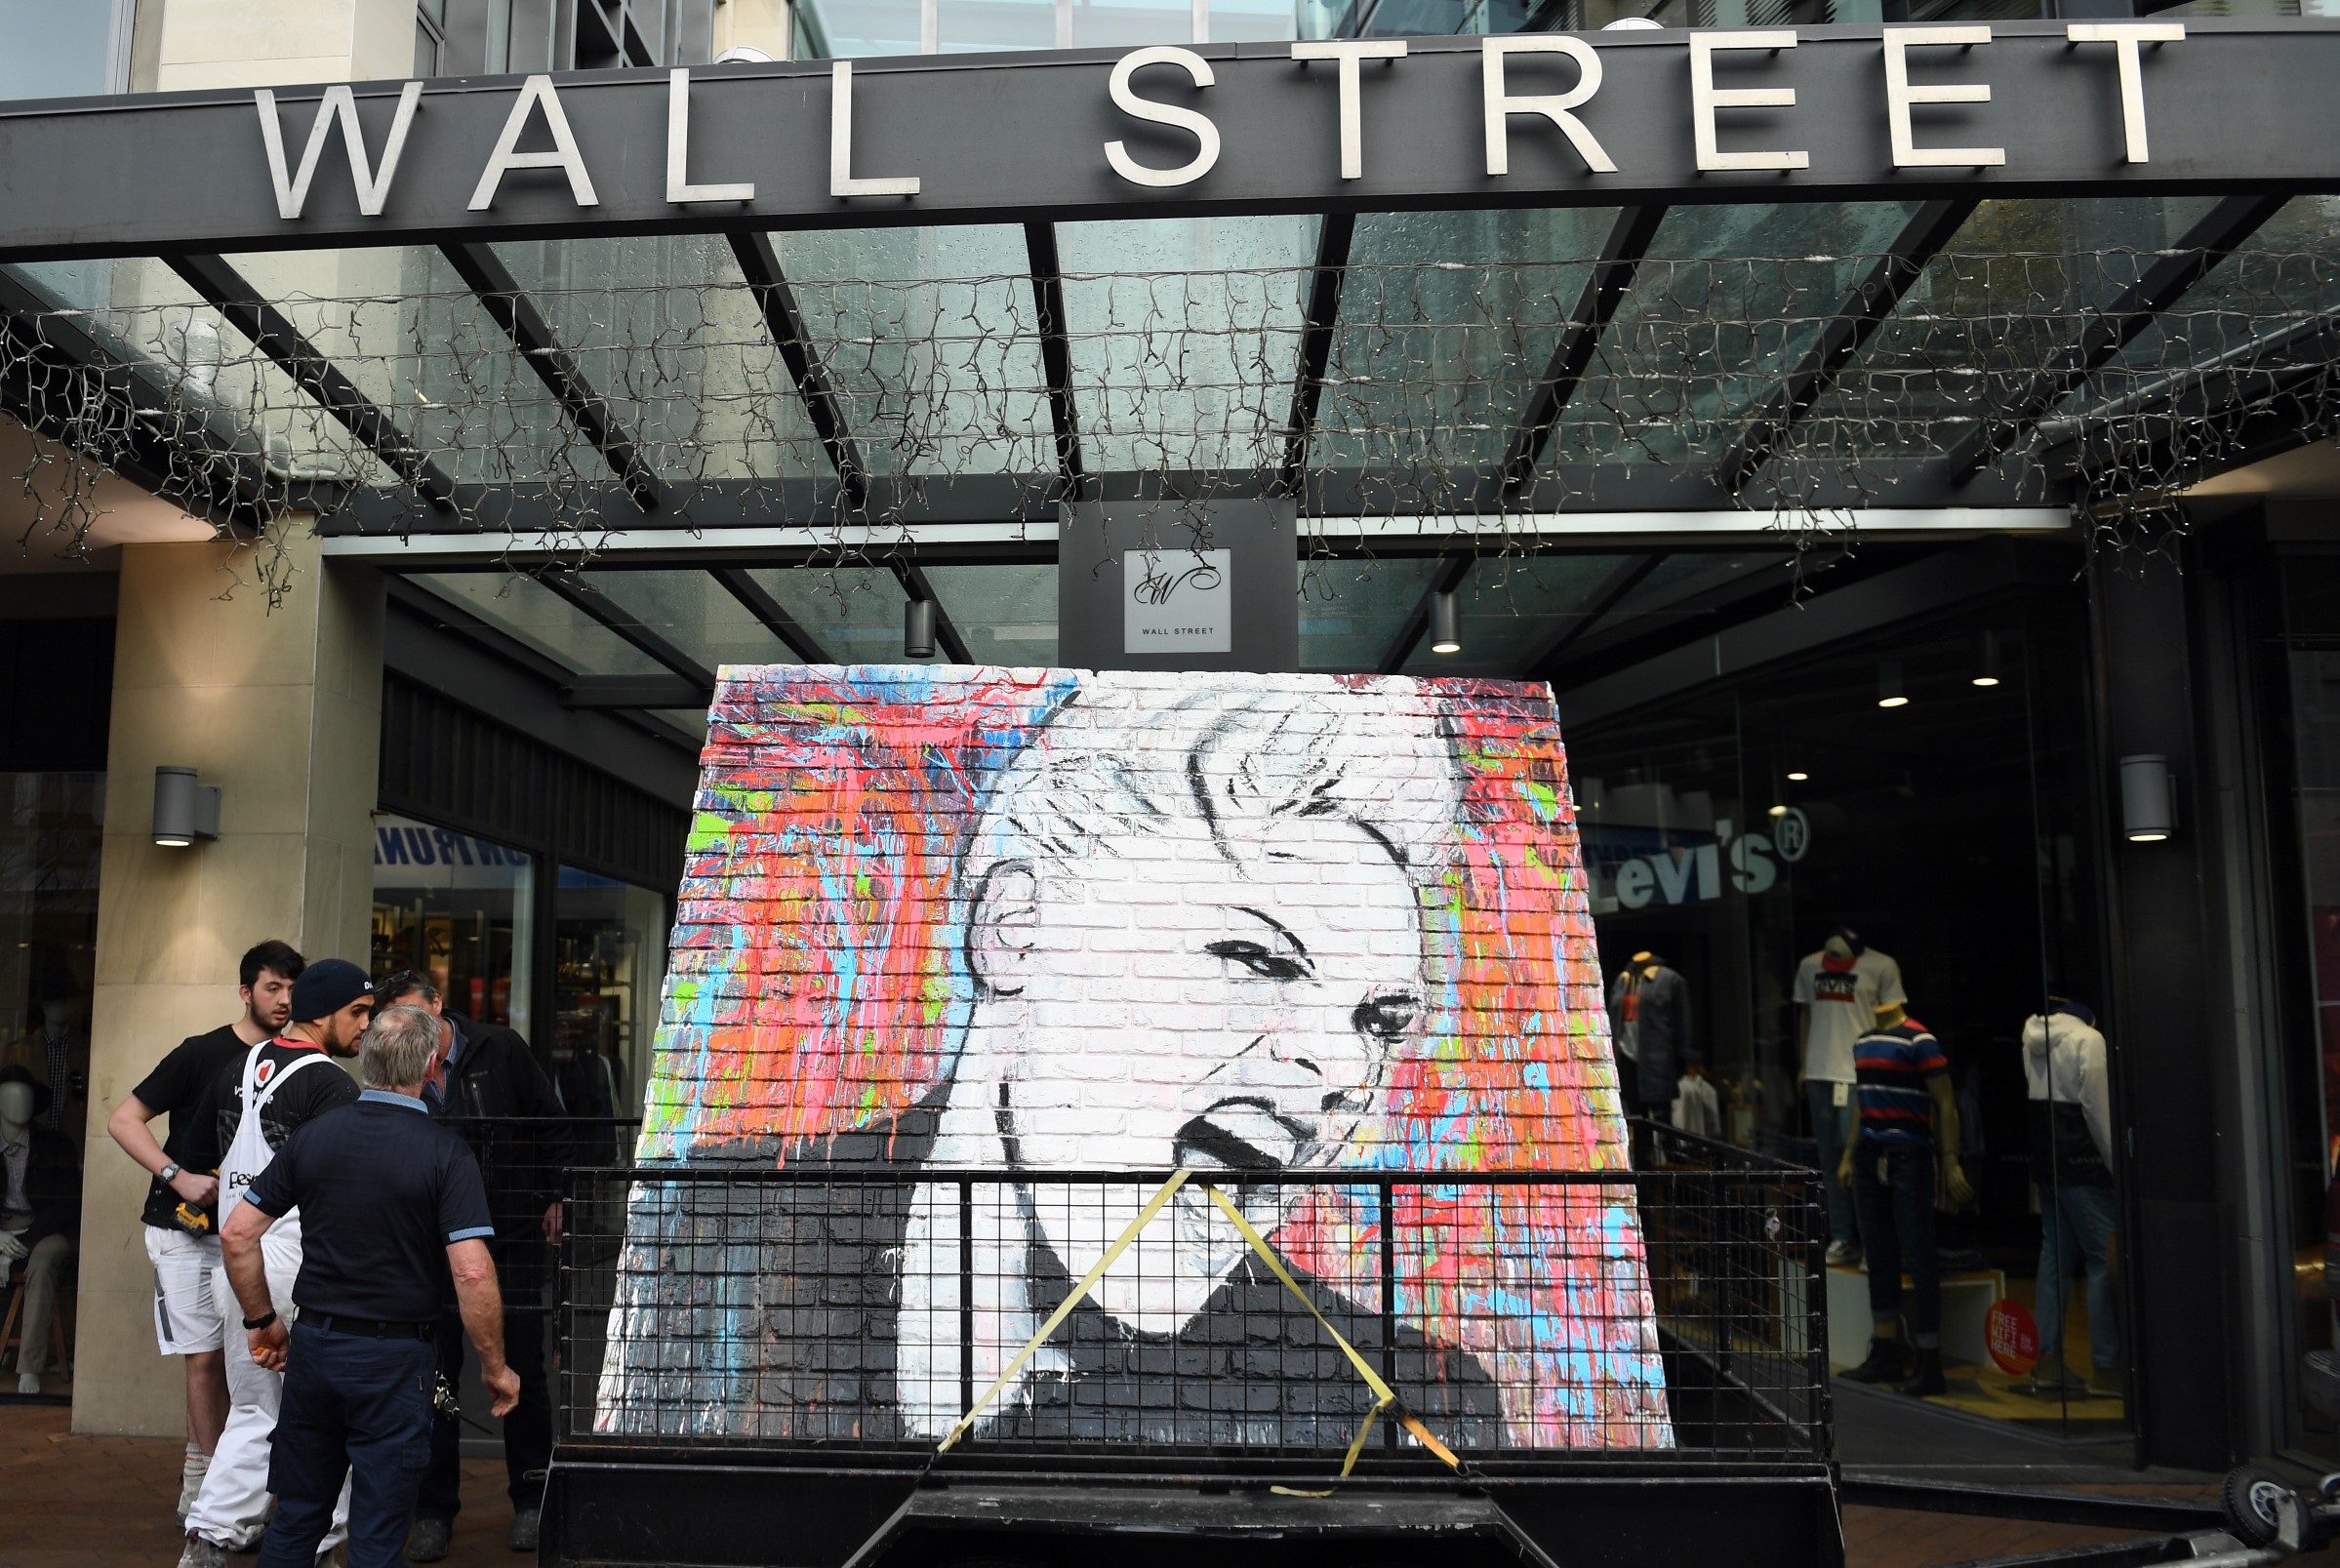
1797 778
1779 811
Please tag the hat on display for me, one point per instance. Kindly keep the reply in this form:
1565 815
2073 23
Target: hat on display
41 1097
326 987
1851 939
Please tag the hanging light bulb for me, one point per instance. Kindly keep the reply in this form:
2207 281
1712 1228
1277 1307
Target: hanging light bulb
919 629
1445 624
1986 670
1889 692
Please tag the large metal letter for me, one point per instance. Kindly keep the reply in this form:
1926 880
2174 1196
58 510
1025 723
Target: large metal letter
841 180
678 148
564 156
2124 37
1706 99
373 189
1501 105
1348 51
1194 124
1900 95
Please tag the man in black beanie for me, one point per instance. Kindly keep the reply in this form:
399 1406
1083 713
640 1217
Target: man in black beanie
272 1089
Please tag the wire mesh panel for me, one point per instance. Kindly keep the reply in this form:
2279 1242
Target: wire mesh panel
874 1310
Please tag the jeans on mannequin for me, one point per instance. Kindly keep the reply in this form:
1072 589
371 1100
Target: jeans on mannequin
1897 1232
1831 1128
2076 1223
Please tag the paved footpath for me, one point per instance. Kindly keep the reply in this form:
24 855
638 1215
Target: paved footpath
105 1503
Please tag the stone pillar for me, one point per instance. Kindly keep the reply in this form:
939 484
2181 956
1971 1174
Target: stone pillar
282 709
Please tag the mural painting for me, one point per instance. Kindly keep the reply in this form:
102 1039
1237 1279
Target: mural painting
1018 924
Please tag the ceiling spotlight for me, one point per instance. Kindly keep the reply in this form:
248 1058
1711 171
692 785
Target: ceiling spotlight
1445 624
1797 778
1888 685
1986 669
919 629
1779 811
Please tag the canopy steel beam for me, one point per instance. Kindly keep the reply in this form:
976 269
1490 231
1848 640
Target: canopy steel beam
913 583
275 335
760 263
1452 569
1631 573
742 587
1315 344
1469 498
2105 333
609 613
60 382
1056 352
1866 308
484 274
1627 242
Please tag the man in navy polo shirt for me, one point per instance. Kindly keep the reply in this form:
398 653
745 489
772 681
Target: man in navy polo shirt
392 1208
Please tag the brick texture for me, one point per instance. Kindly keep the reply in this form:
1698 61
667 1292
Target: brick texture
1010 922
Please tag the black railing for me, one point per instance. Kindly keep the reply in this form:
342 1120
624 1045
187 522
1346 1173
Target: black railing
1668 1315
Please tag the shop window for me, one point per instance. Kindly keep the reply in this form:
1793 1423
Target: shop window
1928 796
460 909
52 826
609 963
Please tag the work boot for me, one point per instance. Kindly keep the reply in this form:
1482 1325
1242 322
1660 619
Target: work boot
428 1541
526 1523
1925 1374
1886 1361
202 1554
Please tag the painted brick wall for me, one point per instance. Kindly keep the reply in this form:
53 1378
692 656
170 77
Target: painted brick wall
987 925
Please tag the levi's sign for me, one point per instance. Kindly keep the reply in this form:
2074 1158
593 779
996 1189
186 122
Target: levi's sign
1539 119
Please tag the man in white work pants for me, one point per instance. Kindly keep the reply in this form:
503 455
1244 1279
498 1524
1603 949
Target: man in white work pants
233 1503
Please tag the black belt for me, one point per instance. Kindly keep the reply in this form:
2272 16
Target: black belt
367 1328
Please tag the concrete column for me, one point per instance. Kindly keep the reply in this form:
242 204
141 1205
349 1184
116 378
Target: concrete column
282 709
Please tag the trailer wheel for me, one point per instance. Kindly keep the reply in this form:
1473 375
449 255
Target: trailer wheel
2253 1500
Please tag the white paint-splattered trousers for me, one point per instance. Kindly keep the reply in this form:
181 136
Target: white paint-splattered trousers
234 1501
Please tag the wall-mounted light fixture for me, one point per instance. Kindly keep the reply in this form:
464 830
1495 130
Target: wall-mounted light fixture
919 629
1986 660
1445 625
183 809
1889 692
2148 799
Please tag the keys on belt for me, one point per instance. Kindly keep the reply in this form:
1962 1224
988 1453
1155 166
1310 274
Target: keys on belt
369 1328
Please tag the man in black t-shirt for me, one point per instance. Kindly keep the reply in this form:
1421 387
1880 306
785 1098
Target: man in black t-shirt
263 1098
181 1233
400 1218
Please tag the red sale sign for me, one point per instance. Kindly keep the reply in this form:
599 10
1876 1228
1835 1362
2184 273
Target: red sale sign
2012 1337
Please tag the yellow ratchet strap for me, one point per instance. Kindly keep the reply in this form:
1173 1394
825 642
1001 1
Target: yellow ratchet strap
1088 1282
1383 1396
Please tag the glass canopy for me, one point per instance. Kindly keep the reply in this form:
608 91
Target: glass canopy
888 400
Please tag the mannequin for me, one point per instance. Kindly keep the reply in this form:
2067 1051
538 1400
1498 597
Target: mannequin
2072 1167
1649 1002
1838 992
40 1212
1899 1158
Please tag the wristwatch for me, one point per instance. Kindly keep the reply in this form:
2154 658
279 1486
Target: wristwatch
169 1172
